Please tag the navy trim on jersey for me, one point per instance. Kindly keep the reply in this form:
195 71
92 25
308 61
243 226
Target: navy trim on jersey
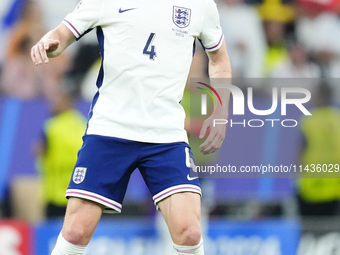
201 43
87 31
194 48
100 36
99 83
94 101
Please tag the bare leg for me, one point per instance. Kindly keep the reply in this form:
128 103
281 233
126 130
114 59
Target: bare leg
81 219
181 212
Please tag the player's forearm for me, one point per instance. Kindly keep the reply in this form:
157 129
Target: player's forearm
52 44
220 71
220 68
53 35
63 35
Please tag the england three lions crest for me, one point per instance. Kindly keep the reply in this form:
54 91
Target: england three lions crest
181 16
79 175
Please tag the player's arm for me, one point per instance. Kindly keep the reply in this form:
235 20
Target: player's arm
219 67
52 44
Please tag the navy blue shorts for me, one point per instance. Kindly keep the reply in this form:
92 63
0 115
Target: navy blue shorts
104 166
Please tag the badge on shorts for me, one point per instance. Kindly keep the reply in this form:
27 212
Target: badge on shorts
181 16
79 175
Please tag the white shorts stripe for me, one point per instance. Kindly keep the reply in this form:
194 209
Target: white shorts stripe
176 189
96 198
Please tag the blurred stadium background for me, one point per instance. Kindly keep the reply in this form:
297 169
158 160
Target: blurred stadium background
247 216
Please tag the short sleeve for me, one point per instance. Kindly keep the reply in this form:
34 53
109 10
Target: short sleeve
85 16
211 34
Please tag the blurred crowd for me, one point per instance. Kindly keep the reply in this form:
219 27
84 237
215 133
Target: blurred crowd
24 22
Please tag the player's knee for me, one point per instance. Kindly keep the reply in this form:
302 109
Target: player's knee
76 235
190 236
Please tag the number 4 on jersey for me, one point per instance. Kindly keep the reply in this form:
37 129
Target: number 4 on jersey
152 54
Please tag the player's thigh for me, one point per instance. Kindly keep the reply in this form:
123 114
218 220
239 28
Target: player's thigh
81 219
166 169
182 212
103 170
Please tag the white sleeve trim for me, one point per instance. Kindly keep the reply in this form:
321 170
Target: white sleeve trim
71 27
216 46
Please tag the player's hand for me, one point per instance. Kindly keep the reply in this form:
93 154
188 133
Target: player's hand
40 50
216 137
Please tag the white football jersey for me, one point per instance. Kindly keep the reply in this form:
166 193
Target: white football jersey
147 49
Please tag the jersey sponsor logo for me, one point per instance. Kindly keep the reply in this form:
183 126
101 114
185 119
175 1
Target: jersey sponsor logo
79 175
121 11
181 16
191 178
